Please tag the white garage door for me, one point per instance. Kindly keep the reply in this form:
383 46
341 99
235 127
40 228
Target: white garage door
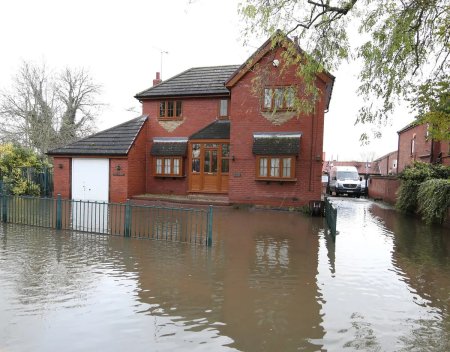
90 182
90 179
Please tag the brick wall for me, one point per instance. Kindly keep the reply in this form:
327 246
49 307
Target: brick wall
137 157
384 188
197 114
246 118
62 171
422 146
118 180
386 164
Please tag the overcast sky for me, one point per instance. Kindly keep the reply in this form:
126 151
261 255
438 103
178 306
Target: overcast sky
120 43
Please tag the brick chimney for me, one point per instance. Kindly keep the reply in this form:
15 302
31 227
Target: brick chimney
157 80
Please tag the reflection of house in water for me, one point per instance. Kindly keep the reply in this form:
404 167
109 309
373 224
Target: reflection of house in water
258 281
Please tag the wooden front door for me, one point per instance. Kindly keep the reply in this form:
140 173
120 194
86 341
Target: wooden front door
209 166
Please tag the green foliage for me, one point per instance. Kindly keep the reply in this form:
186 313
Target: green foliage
423 189
397 42
407 196
433 200
13 159
420 172
433 105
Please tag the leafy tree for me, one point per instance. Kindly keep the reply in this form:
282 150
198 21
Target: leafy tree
44 111
433 106
402 44
13 158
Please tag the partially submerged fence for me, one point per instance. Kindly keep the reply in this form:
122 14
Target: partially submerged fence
330 216
121 219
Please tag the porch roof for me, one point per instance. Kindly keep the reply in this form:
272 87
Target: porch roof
169 147
276 143
219 129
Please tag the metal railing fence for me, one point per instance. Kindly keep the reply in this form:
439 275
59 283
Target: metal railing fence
120 219
330 216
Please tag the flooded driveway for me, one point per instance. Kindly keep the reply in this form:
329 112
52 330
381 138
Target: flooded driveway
273 281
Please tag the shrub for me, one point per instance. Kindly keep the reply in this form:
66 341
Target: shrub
12 159
412 177
434 199
407 196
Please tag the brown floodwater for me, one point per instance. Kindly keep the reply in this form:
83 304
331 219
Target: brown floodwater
273 281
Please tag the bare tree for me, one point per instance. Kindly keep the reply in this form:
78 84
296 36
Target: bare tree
44 110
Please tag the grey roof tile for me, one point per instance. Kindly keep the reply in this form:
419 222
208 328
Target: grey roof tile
116 140
219 129
273 143
193 82
169 148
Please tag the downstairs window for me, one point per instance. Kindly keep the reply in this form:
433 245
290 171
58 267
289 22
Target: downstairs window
168 166
278 168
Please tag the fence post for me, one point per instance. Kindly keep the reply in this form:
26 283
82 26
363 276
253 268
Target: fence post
4 207
127 225
58 212
209 227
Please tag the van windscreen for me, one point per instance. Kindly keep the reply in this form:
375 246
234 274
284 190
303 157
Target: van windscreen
347 175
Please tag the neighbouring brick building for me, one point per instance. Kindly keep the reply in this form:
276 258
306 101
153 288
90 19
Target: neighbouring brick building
387 164
223 130
415 144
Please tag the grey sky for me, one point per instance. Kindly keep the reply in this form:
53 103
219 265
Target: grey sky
120 43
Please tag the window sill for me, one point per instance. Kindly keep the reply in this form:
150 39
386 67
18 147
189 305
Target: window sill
268 180
178 118
170 176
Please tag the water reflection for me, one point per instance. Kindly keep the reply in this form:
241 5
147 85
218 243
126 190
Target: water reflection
274 281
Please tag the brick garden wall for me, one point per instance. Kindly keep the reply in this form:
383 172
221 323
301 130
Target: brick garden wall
384 188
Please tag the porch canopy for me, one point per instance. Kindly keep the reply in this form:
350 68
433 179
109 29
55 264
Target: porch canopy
169 146
276 143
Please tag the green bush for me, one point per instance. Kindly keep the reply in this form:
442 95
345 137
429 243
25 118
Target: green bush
12 159
416 177
407 196
434 199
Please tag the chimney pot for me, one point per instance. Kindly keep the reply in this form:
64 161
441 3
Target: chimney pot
157 80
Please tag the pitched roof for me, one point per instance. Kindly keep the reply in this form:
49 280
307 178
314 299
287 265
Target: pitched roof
169 147
281 39
409 126
114 141
219 129
276 143
193 82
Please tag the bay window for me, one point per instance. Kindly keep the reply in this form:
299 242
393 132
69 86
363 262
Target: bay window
277 168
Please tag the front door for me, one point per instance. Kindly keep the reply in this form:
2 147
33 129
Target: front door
208 167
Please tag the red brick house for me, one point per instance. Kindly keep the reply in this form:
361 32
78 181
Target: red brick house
415 144
387 164
208 130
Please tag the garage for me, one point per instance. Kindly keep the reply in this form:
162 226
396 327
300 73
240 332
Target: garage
90 179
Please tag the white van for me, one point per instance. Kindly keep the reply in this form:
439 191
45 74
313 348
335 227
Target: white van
344 180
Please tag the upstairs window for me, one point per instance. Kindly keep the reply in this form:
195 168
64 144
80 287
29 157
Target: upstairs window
279 99
223 108
171 109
